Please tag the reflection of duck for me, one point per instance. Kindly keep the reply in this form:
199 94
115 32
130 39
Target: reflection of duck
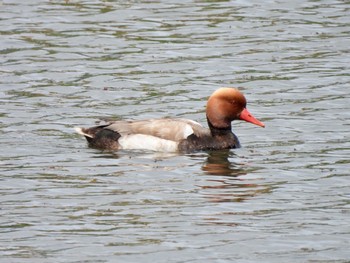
171 135
219 164
226 183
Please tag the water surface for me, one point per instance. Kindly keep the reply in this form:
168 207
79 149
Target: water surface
283 197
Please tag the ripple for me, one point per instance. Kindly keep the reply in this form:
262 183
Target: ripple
68 63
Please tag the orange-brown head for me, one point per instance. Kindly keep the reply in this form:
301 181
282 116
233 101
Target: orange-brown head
226 105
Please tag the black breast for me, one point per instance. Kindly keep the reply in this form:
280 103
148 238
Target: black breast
223 141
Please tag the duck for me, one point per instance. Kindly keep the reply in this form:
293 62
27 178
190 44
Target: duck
177 134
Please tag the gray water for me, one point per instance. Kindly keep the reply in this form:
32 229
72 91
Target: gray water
283 197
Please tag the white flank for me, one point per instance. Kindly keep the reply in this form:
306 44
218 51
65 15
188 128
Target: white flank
146 142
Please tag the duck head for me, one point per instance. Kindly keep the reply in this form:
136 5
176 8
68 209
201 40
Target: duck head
226 105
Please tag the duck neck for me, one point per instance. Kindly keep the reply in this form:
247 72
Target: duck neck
219 131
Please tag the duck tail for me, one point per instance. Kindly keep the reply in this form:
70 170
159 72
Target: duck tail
82 131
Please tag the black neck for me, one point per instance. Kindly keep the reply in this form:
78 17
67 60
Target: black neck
219 131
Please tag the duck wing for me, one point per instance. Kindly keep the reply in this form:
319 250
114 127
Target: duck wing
166 128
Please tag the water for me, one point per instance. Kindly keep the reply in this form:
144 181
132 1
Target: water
283 197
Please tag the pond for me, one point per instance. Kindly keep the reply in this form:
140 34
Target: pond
283 197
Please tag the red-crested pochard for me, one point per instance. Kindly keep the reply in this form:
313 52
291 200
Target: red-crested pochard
177 135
